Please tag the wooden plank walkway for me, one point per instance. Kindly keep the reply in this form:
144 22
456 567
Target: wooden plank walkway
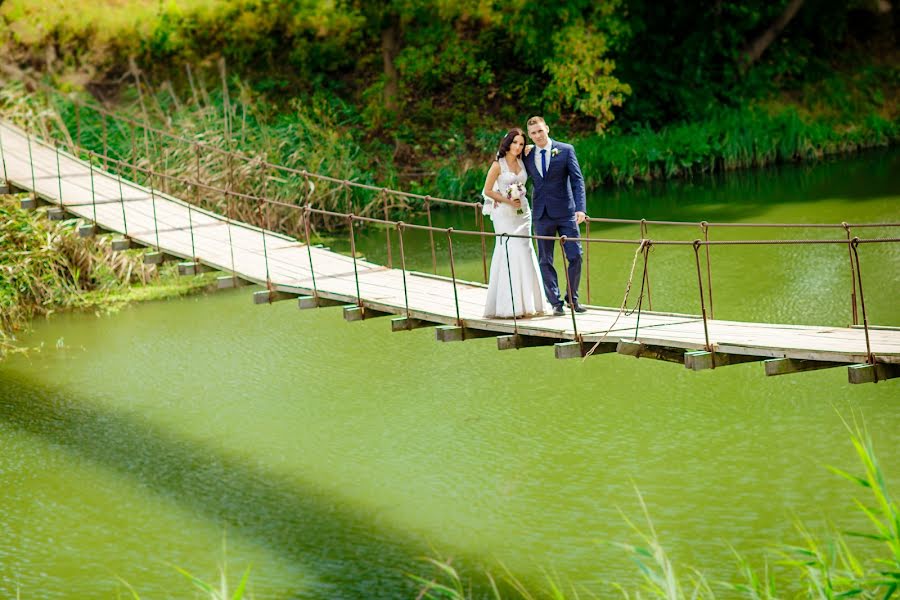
243 249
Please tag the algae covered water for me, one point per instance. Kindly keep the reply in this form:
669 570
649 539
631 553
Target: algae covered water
209 433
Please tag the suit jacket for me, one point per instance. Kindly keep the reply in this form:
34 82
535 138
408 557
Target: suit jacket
559 194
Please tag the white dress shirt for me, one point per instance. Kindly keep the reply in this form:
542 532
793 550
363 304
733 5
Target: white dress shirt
537 156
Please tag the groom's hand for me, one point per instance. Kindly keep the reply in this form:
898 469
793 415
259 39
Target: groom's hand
580 217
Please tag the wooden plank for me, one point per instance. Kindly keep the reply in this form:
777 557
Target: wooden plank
699 360
872 373
639 350
783 366
517 341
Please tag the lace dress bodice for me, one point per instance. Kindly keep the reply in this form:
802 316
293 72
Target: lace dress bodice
504 180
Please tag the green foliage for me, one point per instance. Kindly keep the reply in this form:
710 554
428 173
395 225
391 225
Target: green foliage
732 139
46 266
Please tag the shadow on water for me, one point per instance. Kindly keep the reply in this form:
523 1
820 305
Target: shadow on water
292 520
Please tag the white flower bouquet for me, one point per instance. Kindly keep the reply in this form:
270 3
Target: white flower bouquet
516 191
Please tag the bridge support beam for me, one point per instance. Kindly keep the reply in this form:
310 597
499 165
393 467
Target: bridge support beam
270 296
700 360
87 231
639 350
784 366
452 333
872 373
5 188
306 302
121 244
360 313
56 214
29 203
193 268
226 282
517 341
409 323
157 258
564 350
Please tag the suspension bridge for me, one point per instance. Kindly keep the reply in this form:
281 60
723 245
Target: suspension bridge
89 185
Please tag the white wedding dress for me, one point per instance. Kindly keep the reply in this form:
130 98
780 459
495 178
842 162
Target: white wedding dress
515 289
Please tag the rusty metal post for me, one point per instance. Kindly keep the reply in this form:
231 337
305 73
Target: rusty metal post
59 175
453 274
133 151
852 276
77 127
702 302
353 251
431 235
265 249
587 258
479 217
153 200
105 141
387 230
403 265
562 245
3 158
121 198
645 280
93 193
854 245
705 226
197 178
312 272
31 163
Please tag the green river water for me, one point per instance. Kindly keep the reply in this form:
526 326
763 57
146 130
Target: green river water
330 457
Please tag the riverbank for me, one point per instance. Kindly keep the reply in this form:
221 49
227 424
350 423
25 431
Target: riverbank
46 267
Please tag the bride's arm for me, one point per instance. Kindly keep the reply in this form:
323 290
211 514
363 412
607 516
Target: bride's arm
488 190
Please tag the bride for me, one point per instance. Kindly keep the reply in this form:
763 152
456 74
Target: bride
515 287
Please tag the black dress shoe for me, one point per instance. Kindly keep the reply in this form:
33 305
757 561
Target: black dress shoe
580 309
558 311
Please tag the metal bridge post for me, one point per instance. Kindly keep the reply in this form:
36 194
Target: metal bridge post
854 245
453 275
431 235
702 302
403 267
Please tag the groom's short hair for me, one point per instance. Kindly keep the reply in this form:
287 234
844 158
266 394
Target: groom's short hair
536 121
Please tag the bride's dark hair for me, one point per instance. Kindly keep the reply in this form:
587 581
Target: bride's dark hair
508 140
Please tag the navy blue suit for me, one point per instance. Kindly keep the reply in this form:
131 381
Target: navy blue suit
556 197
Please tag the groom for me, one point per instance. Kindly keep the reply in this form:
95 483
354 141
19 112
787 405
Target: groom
558 207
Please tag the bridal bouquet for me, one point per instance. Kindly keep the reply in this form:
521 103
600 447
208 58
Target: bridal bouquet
516 191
